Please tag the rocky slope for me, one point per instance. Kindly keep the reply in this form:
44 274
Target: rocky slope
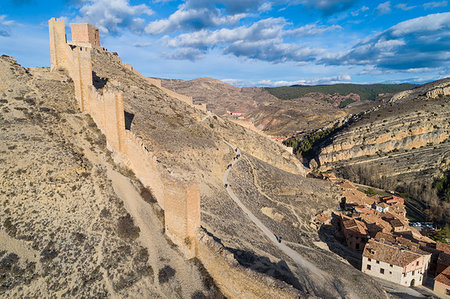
403 145
275 116
77 224
64 230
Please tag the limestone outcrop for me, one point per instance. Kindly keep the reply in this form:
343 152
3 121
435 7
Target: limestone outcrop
403 144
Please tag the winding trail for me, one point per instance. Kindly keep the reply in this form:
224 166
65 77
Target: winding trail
314 272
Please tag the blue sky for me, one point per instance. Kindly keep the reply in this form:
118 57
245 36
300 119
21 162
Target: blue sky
250 42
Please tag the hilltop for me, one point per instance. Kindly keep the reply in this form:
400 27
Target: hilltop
282 111
402 145
78 222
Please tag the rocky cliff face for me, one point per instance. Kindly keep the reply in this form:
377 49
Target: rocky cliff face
403 144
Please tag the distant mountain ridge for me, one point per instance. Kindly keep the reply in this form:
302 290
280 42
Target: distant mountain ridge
367 92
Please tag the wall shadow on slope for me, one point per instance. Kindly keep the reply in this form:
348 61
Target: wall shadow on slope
261 264
98 82
128 120
328 234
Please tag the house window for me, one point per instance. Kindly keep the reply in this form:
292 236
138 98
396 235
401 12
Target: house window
369 260
382 271
390 272
413 273
391 266
447 291
417 263
369 267
378 262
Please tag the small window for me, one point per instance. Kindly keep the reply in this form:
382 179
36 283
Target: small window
417 264
382 271
369 267
391 266
378 262
390 272
369 260
413 272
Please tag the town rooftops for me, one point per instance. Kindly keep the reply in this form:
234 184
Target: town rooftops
392 198
354 225
390 253
396 223
444 276
443 247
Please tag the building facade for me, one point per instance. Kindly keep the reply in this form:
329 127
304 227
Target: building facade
395 262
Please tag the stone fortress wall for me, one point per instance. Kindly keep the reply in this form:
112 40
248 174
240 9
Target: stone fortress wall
179 200
106 107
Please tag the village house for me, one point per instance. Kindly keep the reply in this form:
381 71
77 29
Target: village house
442 283
355 233
395 262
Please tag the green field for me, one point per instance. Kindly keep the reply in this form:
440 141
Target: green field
366 92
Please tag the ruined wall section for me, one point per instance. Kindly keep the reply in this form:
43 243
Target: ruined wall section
236 281
186 99
85 33
180 226
181 201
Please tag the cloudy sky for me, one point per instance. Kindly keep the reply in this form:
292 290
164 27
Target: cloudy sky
249 42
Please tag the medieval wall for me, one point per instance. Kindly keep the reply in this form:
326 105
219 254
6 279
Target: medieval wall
180 226
180 200
234 280
85 33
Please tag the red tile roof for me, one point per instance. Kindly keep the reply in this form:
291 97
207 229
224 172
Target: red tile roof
390 253
444 276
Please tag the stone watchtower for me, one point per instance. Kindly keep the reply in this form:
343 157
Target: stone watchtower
85 33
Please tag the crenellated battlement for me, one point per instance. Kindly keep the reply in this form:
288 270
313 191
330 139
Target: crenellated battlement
180 200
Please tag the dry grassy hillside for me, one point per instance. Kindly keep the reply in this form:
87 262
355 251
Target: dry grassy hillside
277 117
77 224
190 144
65 231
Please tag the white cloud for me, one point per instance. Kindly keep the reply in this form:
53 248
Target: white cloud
184 54
267 6
5 26
195 19
431 5
417 43
111 15
384 8
142 44
270 28
404 6
358 11
313 29
343 78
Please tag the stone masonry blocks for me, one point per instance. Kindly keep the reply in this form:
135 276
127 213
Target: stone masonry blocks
85 33
182 214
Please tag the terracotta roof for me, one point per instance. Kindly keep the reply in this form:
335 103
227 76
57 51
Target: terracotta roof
443 247
392 198
390 253
354 225
385 236
356 197
396 223
444 277
444 258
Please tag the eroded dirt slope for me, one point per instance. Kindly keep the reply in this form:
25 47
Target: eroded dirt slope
64 231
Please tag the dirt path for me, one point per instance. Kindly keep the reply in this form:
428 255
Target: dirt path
314 272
